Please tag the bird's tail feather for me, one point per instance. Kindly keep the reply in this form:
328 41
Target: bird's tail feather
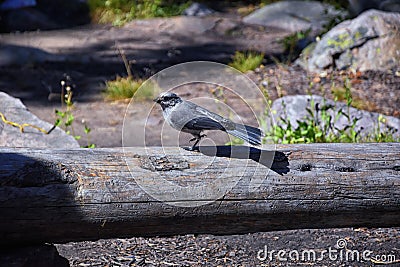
247 133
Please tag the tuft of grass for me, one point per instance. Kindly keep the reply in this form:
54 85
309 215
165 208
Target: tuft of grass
119 12
245 61
128 87
122 88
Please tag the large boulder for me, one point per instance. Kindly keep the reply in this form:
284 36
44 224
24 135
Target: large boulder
369 42
294 16
293 109
13 109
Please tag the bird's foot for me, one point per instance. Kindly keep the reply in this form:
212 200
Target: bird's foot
193 148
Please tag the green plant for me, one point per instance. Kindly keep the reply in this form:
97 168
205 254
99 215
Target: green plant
290 43
122 88
127 87
319 126
379 136
119 12
245 61
65 117
87 131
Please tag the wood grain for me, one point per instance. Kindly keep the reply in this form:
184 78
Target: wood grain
72 195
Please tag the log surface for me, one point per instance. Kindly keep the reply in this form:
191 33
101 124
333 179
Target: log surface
72 195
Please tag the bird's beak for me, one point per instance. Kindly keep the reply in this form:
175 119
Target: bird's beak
157 100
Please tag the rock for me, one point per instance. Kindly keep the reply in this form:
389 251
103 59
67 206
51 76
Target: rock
294 16
42 15
40 255
197 9
295 109
369 42
176 26
358 6
13 109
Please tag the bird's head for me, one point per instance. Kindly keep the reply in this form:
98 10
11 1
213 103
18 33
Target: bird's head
168 99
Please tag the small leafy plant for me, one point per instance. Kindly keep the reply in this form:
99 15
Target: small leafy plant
65 117
319 127
245 61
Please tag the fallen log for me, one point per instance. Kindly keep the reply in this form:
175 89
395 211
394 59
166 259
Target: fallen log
57 196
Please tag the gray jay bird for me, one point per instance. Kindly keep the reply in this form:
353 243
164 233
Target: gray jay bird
188 117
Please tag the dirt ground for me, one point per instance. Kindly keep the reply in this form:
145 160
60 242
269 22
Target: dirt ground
372 91
89 55
241 250
93 60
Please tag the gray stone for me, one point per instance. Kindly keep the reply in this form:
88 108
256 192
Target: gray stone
294 16
13 109
293 108
358 6
197 9
369 42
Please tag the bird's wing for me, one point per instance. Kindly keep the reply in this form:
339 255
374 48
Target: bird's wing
200 112
204 123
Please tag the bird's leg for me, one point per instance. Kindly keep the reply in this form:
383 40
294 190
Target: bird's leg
195 143
197 138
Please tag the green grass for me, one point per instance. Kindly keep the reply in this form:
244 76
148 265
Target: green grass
245 61
121 88
119 12
128 87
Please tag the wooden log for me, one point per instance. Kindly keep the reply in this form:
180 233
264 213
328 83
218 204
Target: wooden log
73 195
